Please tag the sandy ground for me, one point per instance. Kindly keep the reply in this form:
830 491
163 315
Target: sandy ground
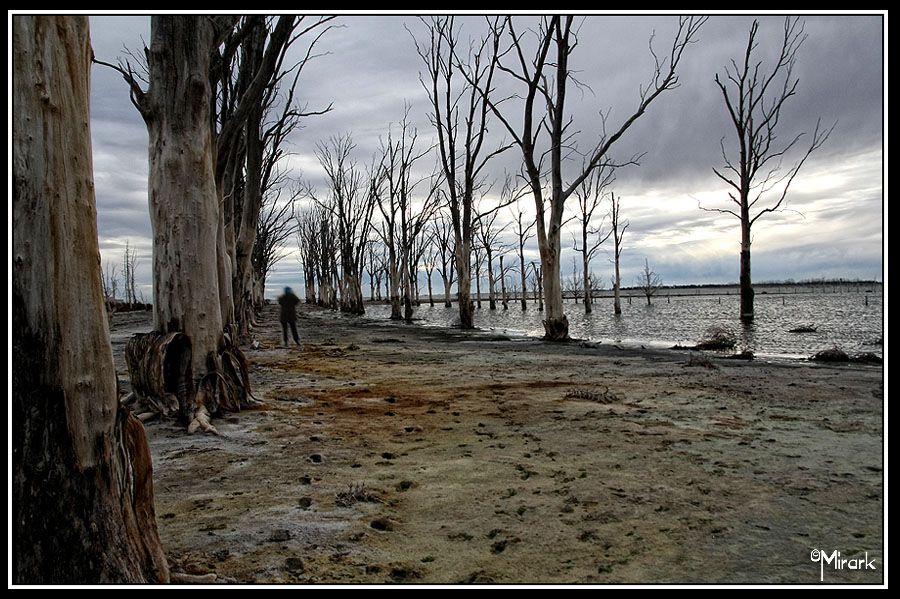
394 453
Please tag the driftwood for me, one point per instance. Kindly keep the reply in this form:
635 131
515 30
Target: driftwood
597 395
803 328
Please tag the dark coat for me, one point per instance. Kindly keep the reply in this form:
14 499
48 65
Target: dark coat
288 303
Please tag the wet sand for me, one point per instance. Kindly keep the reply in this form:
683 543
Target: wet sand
401 454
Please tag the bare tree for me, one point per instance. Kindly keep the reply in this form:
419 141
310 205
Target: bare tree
555 41
398 158
618 232
573 285
648 282
326 265
310 252
489 233
374 266
754 99
524 232
430 258
403 215
443 238
416 254
248 78
129 264
589 196
504 297
539 280
81 498
351 202
277 223
460 144
110 281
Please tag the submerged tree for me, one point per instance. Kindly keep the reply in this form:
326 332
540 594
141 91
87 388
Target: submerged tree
82 487
546 77
524 232
443 239
589 195
618 232
488 235
648 282
457 86
754 99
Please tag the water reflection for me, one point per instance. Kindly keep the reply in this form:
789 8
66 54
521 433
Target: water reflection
851 321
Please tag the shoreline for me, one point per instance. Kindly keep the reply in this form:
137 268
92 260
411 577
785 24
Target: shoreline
629 343
409 454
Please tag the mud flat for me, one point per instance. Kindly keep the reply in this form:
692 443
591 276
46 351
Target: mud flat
394 453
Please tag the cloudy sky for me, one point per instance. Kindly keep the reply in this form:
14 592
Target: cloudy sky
370 69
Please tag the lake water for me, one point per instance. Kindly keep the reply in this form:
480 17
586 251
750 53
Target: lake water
841 319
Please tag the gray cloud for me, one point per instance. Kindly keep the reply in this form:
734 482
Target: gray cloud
371 69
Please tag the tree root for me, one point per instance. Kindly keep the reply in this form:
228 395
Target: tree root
201 422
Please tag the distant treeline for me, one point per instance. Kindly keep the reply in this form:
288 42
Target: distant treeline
786 286
867 283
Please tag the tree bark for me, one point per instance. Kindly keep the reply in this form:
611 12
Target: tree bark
747 292
556 325
448 303
503 296
183 207
463 257
585 271
492 295
82 492
478 281
394 284
523 277
190 274
617 300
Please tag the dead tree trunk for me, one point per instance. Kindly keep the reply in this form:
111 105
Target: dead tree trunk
190 277
447 244
523 234
82 487
462 252
477 254
589 196
503 294
429 270
492 298
618 232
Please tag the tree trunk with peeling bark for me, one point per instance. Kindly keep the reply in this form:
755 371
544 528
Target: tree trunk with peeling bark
82 492
462 253
189 280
